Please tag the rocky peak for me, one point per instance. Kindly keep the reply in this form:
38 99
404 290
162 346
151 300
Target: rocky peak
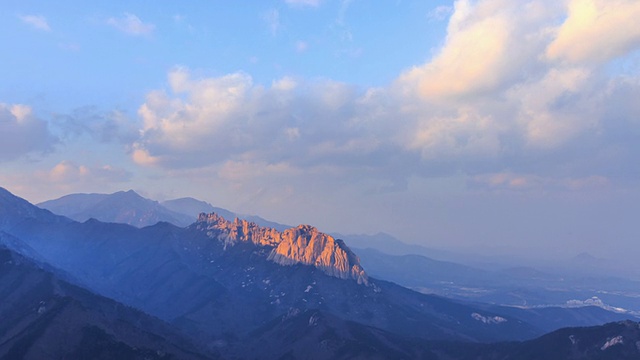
303 244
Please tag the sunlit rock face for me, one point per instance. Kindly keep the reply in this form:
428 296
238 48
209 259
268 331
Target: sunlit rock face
303 244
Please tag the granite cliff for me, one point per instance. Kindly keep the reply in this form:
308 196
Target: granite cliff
303 244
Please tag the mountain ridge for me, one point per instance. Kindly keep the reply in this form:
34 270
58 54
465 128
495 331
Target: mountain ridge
237 288
303 244
126 207
218 285
43 315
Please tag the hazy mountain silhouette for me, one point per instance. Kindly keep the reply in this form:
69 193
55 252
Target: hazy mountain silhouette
193 207
125 207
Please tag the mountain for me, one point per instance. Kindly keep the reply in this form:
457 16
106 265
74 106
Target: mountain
301 245
318 335
121 207
613 341
421 271
240 276
14 210
193 207
388 244
521 287
244 291
128 207
554 317
314 334
46 317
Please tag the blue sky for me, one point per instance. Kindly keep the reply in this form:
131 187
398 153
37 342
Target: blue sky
490 124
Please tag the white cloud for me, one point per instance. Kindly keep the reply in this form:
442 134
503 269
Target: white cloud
21 132
131 24
38 22
211 120
490 44
489 101
557 107
494 65
465 134
597 31
284 84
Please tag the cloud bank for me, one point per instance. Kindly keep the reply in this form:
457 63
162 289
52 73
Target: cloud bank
528 93
514 89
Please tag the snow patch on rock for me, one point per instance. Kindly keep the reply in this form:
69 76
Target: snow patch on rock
611 342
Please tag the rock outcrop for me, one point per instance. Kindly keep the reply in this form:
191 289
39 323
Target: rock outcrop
303 244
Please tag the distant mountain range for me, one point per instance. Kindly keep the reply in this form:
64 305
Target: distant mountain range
387 257
224 273
241 290
127 207
516 286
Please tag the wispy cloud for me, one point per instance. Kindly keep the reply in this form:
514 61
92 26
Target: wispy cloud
68 172
272 19
440 13
38 22
131 24
311 3
301 46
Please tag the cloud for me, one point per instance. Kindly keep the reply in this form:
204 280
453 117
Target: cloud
38 22
70 173
558 106
491 92
466 134
210 120
490 44
440 13
311 3
272 19
597 31
63 178
21 132
105 127
131 24
490 101
301 46
531 182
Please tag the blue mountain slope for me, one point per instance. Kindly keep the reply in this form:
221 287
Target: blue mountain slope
193 280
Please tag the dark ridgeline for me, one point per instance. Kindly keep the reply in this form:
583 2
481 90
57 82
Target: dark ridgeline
45 317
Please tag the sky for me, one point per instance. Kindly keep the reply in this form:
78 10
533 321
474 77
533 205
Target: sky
495 126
